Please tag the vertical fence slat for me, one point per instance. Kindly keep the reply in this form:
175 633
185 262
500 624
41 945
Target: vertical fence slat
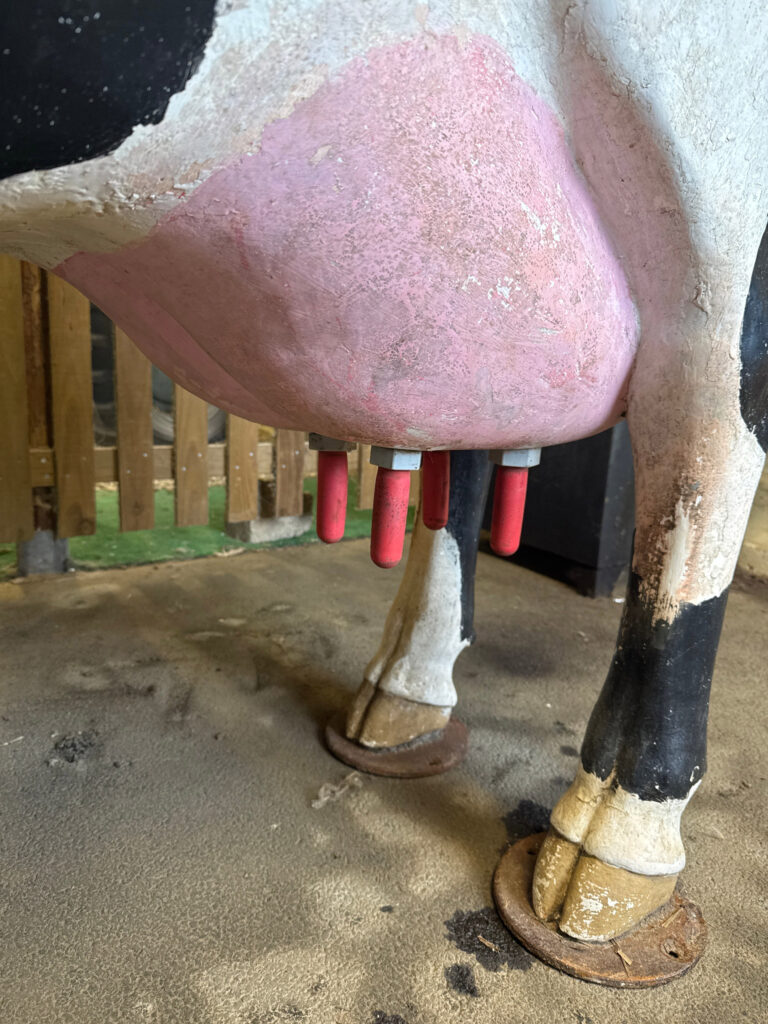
69 325
190 458
366 477
289 472
242 470
16 517
38 357
36 351
135 462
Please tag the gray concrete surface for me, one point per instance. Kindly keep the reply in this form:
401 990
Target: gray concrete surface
161 860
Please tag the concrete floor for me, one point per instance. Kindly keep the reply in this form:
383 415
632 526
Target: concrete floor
161 859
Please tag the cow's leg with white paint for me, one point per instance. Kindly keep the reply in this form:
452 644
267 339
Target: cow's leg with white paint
614 850
408 690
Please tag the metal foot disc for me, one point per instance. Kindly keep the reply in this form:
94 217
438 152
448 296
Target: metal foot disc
664 946
430 755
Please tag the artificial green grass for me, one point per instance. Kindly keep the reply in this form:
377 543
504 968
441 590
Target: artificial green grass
108 547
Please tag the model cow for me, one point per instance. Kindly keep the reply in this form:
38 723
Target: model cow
448 227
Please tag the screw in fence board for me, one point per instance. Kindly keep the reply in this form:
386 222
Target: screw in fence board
289 472
190 458
135 455
16 517
69 326
242 470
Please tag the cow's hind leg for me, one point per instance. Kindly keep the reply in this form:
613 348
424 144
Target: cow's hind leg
614 849
408 690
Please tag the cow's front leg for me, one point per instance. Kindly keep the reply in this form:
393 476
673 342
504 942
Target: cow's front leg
408 690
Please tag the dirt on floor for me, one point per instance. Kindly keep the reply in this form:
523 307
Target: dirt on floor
162 860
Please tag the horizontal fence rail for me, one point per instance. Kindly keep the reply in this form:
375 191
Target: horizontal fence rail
50 466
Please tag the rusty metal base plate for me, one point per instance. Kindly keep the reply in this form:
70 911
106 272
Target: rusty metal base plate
662 947
431 755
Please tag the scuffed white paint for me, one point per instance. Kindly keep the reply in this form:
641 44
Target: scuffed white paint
587 907
620 828
696 550
640 835
422 634
675 546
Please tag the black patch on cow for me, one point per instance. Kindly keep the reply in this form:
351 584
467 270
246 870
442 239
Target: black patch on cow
650 720
754 350
470 478
78 75
461 978
467 928
528 817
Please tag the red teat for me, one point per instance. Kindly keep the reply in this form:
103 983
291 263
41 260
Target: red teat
332 486
390 512
508 508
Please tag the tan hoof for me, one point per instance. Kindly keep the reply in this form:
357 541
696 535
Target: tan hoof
379 719
554 867
604 902
591 900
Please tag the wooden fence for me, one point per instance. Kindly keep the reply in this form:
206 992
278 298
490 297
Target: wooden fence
49 465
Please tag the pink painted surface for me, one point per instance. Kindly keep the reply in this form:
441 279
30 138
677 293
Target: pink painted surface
409 259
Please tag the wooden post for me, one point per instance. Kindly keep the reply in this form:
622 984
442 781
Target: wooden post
289 473
69 325
242 470
16 517
133 395
190 458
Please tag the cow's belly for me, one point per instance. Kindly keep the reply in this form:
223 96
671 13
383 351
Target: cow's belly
410 258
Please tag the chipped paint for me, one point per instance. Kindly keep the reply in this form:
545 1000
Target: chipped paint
422 634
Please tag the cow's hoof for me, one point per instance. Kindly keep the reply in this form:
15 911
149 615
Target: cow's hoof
430 754
661 947
591 900
378 719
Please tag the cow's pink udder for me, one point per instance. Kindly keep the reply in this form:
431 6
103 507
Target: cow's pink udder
410 258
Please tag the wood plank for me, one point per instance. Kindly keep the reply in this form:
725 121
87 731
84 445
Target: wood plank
69 331
133 397
366 477
190 448
16 516
34 288
289 472
41 463
414 495
242 470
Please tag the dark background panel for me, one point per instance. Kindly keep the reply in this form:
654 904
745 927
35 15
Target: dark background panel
579 512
